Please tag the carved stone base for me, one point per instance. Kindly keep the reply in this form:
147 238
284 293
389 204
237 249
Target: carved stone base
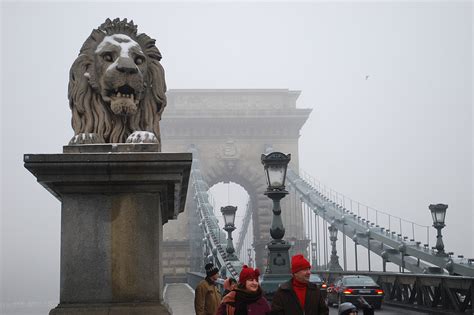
278 258
112 309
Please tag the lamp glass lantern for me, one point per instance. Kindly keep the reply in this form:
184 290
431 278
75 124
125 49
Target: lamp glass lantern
438 212
275 166
332 231
228 213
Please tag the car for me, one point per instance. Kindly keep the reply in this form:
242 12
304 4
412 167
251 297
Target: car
350 288
316 279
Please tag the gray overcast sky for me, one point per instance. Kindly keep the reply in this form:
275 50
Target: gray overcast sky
397 140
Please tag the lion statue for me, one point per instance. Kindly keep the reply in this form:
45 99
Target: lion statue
117 87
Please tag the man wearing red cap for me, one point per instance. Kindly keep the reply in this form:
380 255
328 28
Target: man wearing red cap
298 296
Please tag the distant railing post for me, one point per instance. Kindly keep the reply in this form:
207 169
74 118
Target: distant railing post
355 251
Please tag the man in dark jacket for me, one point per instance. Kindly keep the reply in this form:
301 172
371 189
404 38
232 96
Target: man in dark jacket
298 296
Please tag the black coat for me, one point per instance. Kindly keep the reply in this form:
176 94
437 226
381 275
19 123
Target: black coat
285 301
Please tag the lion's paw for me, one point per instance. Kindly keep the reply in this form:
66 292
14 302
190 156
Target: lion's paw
86 138
142 137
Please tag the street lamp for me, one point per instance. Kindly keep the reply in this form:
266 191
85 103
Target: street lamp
313 252
249 253
278 265
228 213
334 262
438 212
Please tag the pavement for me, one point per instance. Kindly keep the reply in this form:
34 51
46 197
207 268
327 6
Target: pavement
388 310
180 298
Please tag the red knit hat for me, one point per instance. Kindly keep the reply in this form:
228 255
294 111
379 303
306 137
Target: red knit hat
248 273
298 262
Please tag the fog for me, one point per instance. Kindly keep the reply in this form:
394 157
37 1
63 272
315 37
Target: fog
390 84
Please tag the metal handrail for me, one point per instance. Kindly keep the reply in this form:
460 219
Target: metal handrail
244 229
349 203
409 255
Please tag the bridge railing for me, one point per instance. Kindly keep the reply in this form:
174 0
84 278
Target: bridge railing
396 225
244 248
193 279
377 239
214 242
426 292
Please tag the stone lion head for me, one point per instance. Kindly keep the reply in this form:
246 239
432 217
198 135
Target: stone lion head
117 87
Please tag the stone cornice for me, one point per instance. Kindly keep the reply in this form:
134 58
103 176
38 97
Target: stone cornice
166 174
239 113
241 99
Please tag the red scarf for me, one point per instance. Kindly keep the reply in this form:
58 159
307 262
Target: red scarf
300 290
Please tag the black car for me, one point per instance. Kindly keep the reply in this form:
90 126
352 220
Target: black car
316 279
350 288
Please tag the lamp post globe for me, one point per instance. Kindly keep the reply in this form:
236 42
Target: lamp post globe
332 232
438 213
275 165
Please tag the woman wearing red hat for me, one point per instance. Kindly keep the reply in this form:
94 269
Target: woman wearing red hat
247 298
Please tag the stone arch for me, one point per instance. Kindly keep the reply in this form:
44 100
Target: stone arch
231 129
249 174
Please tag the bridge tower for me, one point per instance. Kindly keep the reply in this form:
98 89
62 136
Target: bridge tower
231 129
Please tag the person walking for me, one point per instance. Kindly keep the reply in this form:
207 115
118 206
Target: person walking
206 296
247 298
348 308
298 296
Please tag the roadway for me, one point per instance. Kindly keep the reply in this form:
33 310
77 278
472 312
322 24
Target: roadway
180 298
389 310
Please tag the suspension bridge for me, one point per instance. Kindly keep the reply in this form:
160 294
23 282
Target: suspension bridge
227 131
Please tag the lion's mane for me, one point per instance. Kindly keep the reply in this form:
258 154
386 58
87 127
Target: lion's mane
90 113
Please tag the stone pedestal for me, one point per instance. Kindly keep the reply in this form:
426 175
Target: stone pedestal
114 201
278 268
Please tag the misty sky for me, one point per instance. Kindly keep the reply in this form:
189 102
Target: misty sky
390 84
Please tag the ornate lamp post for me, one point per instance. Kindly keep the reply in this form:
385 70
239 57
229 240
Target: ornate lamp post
438 212
229 217
334 262
249 253
278 267
313 253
